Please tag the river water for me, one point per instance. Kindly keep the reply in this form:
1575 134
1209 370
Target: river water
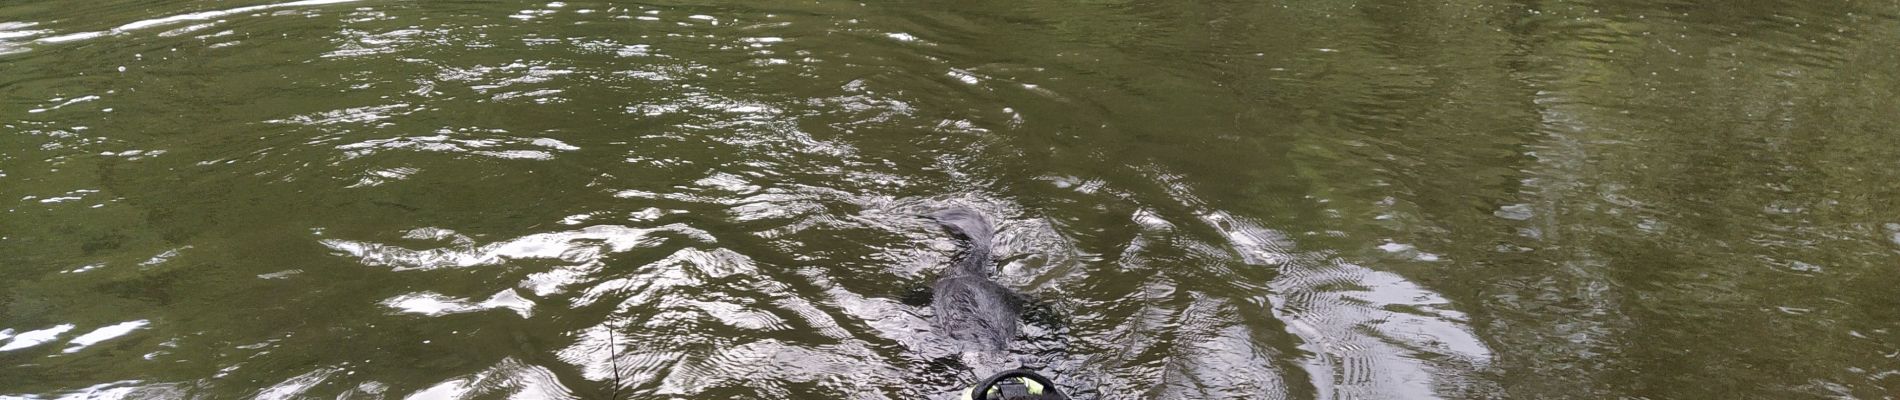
1361 199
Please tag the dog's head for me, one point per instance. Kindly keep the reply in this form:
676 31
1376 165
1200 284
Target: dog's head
965 223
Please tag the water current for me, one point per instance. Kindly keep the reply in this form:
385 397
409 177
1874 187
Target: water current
1358 199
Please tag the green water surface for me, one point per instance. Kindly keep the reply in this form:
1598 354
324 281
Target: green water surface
1355 199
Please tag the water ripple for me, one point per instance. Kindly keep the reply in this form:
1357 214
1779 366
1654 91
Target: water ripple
532 199
577 246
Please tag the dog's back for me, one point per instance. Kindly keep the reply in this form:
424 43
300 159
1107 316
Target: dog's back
969 307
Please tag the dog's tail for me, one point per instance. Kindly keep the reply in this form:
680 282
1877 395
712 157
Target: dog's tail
976 229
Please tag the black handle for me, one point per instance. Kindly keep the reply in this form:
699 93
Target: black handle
982 389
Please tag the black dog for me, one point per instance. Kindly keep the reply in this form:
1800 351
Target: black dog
969 306
982 314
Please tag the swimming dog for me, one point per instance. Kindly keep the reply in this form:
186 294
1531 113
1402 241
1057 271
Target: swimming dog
981 314
970 307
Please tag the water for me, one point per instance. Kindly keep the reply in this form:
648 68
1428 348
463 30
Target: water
680 199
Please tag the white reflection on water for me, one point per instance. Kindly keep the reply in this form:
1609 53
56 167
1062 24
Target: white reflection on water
103 334
34 337
349 115
510 378
120 390
579 246
845 368
16 30
76 100
435 304
465 142
1373 332
175 19
294 387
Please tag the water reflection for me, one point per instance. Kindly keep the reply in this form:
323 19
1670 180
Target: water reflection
509 377
16 341
1371 199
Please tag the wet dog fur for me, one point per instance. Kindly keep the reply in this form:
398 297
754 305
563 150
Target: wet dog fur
969 307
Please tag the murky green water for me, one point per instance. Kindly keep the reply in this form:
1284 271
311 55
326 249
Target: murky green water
1333 200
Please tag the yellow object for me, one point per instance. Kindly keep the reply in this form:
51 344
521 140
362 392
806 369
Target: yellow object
1034 388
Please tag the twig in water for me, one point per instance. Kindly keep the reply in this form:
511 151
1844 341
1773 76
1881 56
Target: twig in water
613 361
